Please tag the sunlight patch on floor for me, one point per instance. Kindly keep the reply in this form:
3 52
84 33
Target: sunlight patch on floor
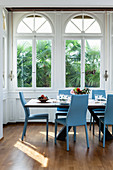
72 133
29 150
50 134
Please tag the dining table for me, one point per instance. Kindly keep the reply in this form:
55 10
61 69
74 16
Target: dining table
53 103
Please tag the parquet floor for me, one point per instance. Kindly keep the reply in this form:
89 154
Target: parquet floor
37 154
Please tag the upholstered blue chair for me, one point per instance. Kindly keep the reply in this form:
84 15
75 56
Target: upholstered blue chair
31 117
99 111
76 116
62 111
108 117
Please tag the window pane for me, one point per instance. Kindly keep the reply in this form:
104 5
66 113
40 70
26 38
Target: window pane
78 22
43 63
22 28
45 28
71 28
39 21
24 63
92 63
94 28
82 24
88 21
29 21
33 23
73 63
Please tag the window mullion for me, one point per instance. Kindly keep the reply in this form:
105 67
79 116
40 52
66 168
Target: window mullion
34 63
83 63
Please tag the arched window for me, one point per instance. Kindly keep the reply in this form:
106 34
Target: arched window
34 23
34 52
82 24
82 52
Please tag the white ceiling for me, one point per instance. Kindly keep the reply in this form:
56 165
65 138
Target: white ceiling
56 3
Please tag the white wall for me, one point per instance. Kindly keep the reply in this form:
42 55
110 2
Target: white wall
14 111
1 90
57 3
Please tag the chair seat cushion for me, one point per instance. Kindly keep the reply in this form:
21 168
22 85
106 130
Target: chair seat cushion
38 116
61 121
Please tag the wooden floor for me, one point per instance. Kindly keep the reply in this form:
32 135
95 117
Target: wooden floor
35 153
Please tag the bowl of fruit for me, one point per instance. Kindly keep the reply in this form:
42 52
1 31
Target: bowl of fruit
43 98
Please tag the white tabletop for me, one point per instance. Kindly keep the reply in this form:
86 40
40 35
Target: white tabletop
55 103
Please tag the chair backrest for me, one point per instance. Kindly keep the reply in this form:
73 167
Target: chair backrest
65 92
77 111
108 117
98 92
27 111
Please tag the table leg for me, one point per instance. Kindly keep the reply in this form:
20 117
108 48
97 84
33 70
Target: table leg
62 134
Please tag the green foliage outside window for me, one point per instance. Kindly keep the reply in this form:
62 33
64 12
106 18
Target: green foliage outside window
73 64
92 66
24 63
43 63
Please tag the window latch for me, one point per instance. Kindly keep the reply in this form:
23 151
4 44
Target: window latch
106 75
11 75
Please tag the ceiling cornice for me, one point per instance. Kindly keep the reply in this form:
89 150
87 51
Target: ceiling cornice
23 9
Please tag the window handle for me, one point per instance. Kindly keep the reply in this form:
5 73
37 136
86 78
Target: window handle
106 75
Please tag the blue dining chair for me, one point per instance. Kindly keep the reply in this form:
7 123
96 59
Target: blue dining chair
31 117
62 111
76 116
108 117
99 111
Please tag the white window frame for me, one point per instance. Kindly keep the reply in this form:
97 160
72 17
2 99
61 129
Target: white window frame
33 39
33 36
83 38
